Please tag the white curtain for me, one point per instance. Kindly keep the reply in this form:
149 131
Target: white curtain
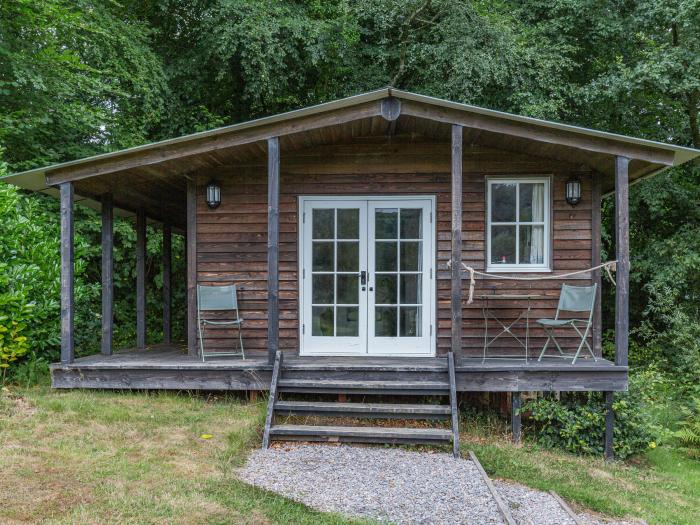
537 239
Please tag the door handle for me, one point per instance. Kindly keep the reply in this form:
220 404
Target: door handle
363 278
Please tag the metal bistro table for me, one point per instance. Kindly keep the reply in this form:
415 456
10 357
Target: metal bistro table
487 310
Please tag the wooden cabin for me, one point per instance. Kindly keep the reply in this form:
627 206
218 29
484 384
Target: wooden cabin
346 228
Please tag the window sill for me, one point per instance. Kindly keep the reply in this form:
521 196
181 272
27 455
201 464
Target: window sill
516 269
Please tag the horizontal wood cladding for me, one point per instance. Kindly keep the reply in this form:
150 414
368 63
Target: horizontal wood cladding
232 240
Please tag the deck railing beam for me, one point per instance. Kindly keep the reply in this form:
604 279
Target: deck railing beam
622 288
456 256
141 279
191 242
273 229
167 270
67 273
107 273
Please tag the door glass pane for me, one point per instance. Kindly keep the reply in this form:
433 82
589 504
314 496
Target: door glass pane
385 256
348 321
385 289
532 244
322 257
503 202
323 224
385 321
385 223
502 244
410 321
348 289
349 223
348 256
411 224
410 256
322 320
410 289
322 289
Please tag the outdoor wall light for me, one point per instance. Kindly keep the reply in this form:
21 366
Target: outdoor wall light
213 195
573 190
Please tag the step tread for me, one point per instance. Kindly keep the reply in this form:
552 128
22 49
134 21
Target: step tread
441 434
403 408
341 383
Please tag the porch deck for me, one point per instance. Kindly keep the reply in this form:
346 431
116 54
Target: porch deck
169 367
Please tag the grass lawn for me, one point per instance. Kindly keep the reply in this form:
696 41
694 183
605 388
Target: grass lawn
89 457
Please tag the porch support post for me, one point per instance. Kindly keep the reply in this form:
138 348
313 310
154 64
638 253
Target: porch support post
191 241
67 273
167 269
456 257
107 273
516 420
141 279
595 261
273 229
622 225
609 426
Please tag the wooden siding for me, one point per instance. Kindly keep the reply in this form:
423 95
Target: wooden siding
232 240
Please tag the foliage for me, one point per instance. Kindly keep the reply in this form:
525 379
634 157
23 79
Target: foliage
688 432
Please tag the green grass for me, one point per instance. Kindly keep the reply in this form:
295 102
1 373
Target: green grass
111 457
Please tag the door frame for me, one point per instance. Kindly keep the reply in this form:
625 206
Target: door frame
431 304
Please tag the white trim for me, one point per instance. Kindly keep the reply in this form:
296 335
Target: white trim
545 266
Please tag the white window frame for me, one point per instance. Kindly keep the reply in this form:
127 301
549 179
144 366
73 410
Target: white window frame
545 266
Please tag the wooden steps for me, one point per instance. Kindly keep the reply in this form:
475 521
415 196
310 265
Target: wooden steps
440 383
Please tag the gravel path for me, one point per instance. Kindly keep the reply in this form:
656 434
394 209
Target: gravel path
386 484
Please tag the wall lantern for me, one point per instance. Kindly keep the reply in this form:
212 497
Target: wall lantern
573 190
213 195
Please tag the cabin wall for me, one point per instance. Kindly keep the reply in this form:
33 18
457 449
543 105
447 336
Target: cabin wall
232 240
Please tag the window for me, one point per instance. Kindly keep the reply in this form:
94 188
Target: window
518 224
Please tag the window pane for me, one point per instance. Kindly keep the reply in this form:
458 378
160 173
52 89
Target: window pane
410 256
349 224
323 224
322 289
410 289
411 224
503 202
385 223
503 245
322 257
385 289
348 321
532 244
322 320
532 202
348 256
385 257
348 291
385 321
410 321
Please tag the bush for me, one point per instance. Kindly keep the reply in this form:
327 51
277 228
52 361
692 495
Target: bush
688 432
576 423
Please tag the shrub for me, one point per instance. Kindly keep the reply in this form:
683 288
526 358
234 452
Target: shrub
688 432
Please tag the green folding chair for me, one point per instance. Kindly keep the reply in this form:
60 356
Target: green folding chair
218 299
572 299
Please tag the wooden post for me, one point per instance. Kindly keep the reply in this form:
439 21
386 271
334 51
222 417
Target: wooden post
456 256
67 274
595 261
141 279
273 229
167 269
107 273
192 268
622 226
516 420
609 426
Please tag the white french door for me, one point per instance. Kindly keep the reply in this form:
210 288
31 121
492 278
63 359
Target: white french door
366 267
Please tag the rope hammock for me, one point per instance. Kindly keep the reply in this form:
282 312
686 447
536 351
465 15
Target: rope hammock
609 267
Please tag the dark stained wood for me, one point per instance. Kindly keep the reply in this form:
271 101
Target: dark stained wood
597 335
67 274
609 425
421 411
336 434
272 399
456 255
167 271
622 224
191 267
516 419
141 279
273 225
454 408
107 273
